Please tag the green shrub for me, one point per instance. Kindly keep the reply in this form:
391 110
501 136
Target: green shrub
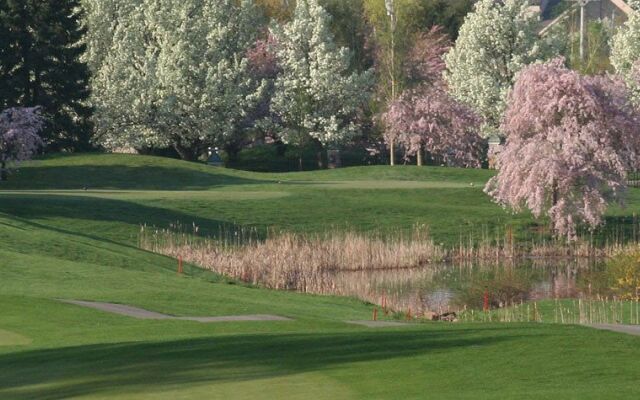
503 290
624 274
276 157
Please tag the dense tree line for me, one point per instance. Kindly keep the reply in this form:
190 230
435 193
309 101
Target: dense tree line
107 73
40 50
428 78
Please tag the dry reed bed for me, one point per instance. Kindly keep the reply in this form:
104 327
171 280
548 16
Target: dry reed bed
486 250
294 262
338 263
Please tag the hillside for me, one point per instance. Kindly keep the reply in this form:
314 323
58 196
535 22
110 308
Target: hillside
124 192
58 241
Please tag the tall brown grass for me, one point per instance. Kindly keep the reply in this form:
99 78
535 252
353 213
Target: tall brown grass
341 263
295 262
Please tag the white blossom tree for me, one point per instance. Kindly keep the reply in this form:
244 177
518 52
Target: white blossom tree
495 42
625 50
317 96
176 74
100 19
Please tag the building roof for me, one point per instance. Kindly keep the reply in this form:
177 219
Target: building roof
547 25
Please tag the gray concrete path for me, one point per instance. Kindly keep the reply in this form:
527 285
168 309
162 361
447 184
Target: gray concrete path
141 313
378 324
629 329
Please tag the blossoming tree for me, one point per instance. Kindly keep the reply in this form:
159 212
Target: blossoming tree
495 42
570 141
19 139
317 97
100 19
427 116
177 75
625 50
431 119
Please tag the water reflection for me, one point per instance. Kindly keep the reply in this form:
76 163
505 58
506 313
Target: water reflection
451 287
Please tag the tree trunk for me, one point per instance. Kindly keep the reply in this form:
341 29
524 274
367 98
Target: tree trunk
300 162
232 150
320 163
420 161
3 171
185 153
392 153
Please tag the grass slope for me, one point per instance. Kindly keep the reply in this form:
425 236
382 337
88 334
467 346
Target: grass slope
58 241
125 191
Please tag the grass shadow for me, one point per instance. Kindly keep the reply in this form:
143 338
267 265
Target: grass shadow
131 177
132 367
43 206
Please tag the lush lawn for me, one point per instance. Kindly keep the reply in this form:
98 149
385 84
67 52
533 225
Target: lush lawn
124 192
60 241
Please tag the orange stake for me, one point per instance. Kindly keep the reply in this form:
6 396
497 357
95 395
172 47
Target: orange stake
485 301
180 265
409 314
375 314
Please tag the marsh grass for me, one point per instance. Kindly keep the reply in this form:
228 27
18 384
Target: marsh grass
599 310
342 263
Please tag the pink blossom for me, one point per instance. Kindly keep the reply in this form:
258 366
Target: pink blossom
19 138
262 58
429 118
425 62
570 141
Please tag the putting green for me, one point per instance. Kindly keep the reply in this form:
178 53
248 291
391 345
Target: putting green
397 185
8 338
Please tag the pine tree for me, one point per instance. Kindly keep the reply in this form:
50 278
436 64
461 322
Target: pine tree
40 66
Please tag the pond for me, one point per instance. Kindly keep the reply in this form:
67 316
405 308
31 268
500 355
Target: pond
451 287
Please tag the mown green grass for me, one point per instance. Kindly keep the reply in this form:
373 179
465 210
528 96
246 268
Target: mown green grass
58 241
118 193
123 192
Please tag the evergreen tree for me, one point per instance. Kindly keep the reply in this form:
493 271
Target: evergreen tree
40 65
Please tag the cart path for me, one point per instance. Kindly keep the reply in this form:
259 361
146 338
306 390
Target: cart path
140 313
628 329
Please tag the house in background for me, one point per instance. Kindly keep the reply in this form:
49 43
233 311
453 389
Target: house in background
553 12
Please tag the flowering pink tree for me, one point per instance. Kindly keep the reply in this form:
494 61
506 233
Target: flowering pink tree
426 116
425 62
19 138
570 141
431 119
262 58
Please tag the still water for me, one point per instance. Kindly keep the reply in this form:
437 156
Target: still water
451 287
